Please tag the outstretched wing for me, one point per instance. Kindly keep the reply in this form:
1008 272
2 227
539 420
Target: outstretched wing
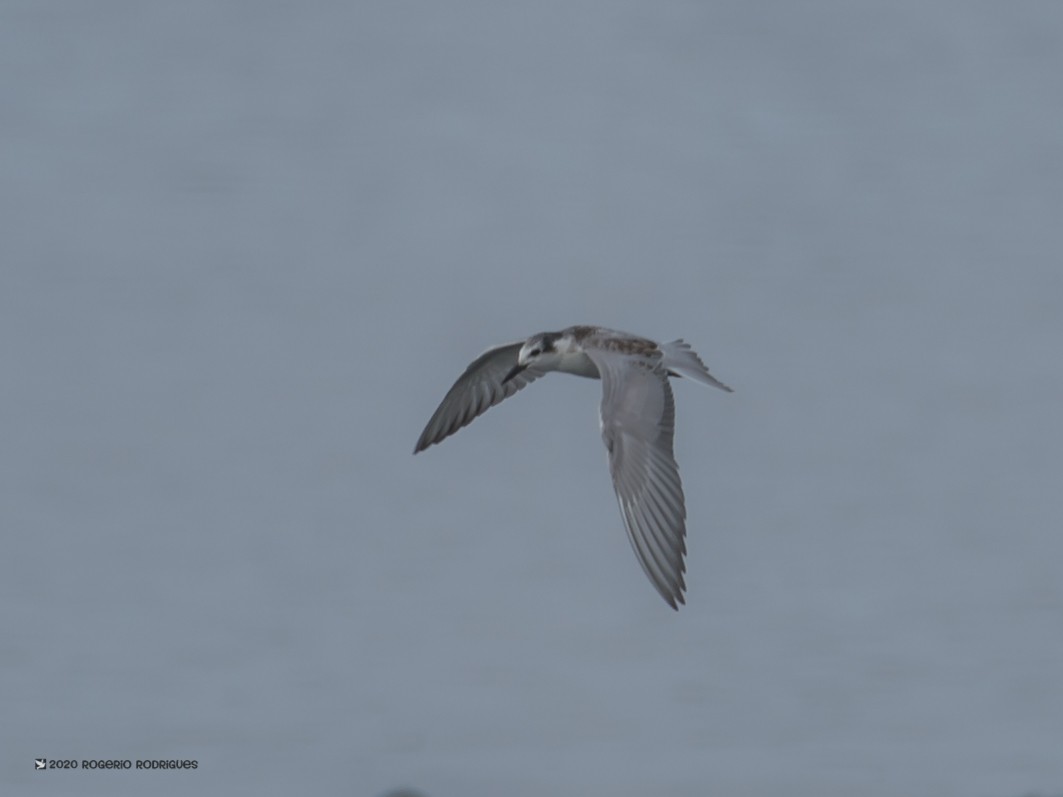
476 391
638 425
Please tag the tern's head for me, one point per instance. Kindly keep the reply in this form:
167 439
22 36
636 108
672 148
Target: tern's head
538 350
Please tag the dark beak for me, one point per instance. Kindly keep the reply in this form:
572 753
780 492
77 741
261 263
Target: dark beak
516 369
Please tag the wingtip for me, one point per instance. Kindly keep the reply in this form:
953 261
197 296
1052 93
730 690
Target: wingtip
675 601
426 440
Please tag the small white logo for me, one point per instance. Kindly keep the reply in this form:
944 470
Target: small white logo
40 763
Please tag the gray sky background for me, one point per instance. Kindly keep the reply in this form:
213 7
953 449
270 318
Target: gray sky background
246 248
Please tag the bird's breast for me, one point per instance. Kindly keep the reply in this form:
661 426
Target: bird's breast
579 364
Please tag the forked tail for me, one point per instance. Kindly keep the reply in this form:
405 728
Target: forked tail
681 360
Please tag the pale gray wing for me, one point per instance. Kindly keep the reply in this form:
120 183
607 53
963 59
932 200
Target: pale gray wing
475 392
638 424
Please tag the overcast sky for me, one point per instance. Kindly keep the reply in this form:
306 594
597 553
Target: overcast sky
246 248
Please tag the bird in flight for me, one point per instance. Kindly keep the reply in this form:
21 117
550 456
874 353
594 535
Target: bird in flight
637 418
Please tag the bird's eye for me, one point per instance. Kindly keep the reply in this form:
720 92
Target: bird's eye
534 353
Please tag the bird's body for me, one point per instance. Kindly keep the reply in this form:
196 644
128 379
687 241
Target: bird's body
637 422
